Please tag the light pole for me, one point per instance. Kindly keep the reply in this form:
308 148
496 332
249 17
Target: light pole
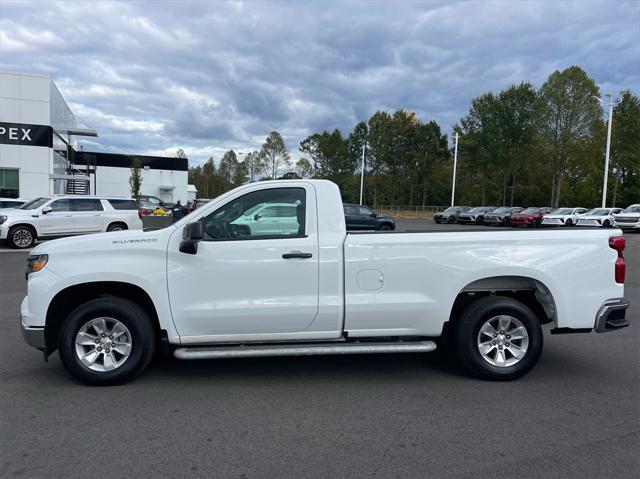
362 175
608 149
455 164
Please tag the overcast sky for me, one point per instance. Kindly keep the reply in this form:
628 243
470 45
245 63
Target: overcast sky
206 77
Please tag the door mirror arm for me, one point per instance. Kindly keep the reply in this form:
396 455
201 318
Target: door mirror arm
192 234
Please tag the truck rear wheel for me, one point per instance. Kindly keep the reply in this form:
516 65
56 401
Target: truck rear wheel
498 338
106 341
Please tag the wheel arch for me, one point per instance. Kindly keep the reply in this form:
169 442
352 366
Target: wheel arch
530 291
68 299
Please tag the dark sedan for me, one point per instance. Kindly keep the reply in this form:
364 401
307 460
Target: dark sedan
361 218
475 215
501 216
450 215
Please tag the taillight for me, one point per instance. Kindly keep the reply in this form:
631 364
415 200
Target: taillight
618 243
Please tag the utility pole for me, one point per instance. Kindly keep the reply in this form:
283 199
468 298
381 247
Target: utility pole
362 175
606 159
455 164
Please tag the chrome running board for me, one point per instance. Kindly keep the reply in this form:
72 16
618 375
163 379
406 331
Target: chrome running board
249 351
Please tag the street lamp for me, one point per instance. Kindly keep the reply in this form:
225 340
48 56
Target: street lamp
455 163
612 103
362 175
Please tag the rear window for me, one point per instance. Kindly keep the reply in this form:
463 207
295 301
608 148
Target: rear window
123 204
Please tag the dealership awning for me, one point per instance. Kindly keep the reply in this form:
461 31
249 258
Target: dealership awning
78 132
166 187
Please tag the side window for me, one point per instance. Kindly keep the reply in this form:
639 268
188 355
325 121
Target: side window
350 210
85 204
364 211
271 213
60 205
123 204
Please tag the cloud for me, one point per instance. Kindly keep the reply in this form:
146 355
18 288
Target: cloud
152 77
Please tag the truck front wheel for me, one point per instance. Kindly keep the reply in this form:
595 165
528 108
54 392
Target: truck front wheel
106 341
498 338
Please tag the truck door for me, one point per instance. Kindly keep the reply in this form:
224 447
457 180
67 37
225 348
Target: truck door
246 280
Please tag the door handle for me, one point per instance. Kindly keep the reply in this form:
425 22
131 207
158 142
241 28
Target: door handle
67 216
297 254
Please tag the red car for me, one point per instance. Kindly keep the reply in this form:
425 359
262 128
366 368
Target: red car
530 217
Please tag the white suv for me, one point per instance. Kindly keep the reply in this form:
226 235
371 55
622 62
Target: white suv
629 218
66 215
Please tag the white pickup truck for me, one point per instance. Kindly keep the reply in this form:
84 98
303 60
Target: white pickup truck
212 286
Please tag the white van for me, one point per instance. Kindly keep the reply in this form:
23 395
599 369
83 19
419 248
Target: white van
57 216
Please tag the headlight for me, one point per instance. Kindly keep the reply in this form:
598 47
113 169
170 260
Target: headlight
3 218
35 263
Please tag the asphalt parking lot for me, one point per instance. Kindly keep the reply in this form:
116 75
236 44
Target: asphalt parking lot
577 414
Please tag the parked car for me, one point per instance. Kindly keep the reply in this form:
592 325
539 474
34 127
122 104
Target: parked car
267 219
359 217
629 218
197 290
450 215
49 217
563 217
599 217
530 217
502 215
154 201
475 215
11 203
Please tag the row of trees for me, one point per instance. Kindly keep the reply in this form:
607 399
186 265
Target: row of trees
520 146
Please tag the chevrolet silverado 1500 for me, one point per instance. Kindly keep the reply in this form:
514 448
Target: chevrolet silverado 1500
212 285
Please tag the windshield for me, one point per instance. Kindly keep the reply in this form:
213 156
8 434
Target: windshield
477 209
34 204
633 209
503 209
562 211
451 209
598 212
531 211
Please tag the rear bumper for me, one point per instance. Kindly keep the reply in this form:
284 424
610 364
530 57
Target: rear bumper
611 315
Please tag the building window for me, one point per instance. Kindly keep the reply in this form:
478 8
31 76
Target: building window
9 183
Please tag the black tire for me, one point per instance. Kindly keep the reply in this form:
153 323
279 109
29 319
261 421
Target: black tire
437 220
480 220
21 237
451 220
385 227
467 329
117 227
143 340
606 224
569 222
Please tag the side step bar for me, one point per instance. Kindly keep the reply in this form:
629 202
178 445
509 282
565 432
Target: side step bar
245 351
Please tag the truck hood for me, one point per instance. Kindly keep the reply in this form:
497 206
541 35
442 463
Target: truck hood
101 241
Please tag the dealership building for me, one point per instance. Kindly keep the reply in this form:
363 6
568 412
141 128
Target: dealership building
38 154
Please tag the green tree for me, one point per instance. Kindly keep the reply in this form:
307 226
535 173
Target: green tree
253 163
274 155
227 168
135 180
328 152
180 153
568 117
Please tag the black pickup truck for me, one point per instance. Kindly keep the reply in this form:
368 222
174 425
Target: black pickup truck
360 217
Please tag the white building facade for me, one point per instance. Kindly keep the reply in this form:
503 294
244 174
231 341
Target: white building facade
38 158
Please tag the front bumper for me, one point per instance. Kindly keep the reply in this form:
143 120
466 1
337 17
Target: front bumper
626 226
611 315
33 335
